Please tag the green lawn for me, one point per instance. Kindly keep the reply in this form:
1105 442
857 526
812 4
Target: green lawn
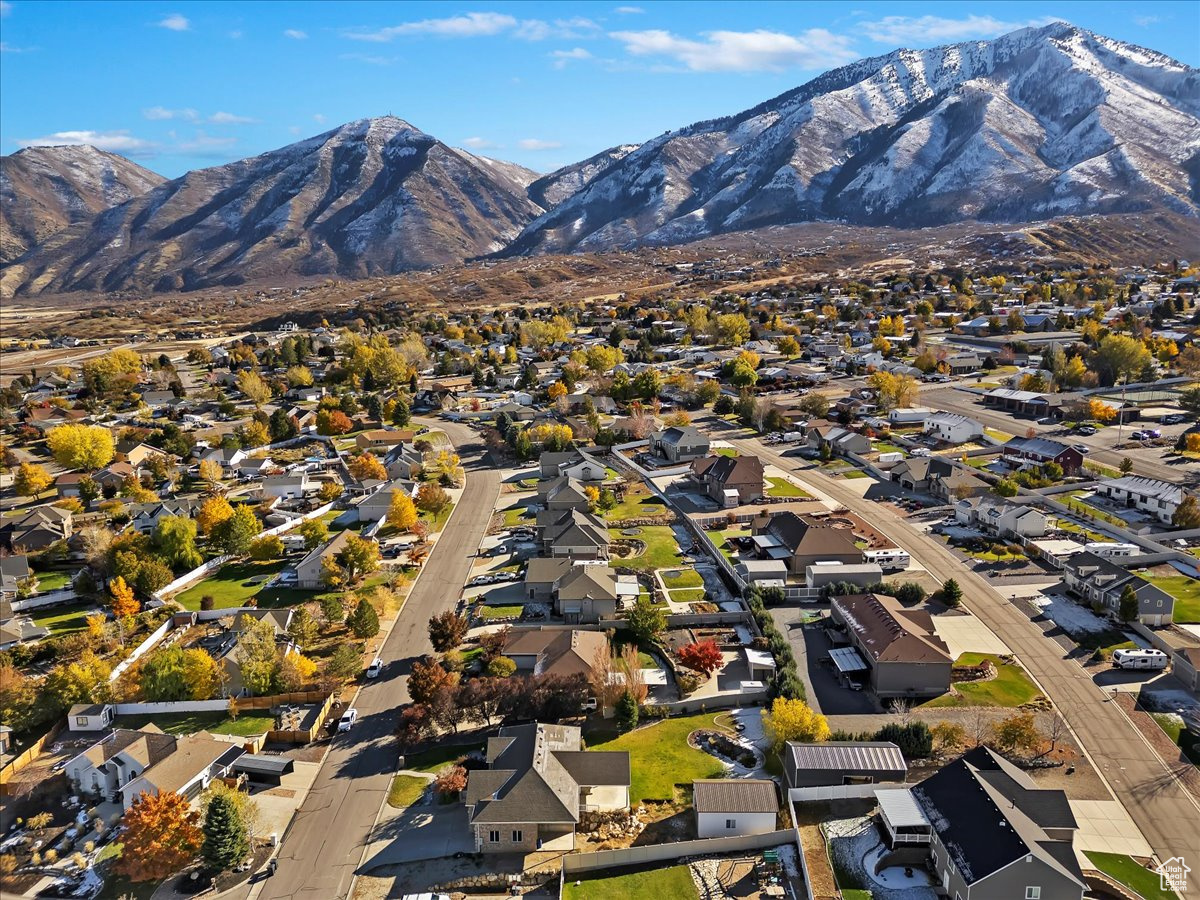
245 725
1186 592
437 521
781 487
1010 688
887 447
65 619
231 585
657 884
1173 727
684 578
53 581
1126 870
855 473
662 551
995 433
660 758
406 790
689 595
499 612
437 758
275 597
638 503
721 538
515 515
724 451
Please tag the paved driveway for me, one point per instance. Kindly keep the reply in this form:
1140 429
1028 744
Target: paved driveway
809 644
420 832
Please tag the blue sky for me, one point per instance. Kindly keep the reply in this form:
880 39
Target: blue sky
180 85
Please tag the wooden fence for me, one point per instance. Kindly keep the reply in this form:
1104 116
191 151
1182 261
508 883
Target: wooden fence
19 762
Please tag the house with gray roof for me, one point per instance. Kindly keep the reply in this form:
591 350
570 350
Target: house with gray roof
679 443
1149 495
727 807
1101 582
572 533
1001 518
538 783
842 762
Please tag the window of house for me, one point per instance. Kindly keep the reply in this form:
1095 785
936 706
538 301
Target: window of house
516 836
1033 893
730 823
81 721
493 837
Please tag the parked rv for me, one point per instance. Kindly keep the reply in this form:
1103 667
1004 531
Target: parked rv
1139 659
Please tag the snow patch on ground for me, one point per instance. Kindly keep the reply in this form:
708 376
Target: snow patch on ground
1070 616
855 845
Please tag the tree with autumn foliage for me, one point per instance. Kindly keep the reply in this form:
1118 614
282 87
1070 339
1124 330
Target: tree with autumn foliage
333 421
367 467
451 782
402 512
123 603
703 656
794 720
161 836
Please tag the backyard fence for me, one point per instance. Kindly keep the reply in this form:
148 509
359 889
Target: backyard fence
602 860
837 792
50 598
144 647
19 762
168 707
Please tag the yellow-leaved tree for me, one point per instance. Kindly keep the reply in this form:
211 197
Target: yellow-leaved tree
794 720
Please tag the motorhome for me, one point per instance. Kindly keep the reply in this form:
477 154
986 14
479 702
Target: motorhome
1139 659
890 559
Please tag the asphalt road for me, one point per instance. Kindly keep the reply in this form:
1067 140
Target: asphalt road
325 841
1145 462
1167 814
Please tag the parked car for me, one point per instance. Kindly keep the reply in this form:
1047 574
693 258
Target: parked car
1148 434
1082 448
375 668
349 717
1085 430
920 451
1174 419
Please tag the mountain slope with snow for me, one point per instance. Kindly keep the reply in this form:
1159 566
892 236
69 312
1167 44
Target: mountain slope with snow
45 189
1038 123
375 196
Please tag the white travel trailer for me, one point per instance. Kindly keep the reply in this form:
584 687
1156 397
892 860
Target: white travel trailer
1139 659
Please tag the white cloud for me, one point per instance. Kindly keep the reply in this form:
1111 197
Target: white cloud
13 48
1146 21
629 10
742 51
175 22
482 24
295 34
5 7
224 118
475 24
562 57
162 114
205 145
318 118
538 144
115 141
368 58
478 143
293 129
936 29
237 34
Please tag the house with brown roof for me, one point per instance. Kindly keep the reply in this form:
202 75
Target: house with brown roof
126 763
899 648
552 650
538 783
40 527
730 480
803 541
383 439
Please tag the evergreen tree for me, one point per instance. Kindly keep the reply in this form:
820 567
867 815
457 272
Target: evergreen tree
627 712
951 592
225 841
364 621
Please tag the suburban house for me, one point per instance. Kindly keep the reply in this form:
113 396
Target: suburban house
802 541
1001 518
838 440
1023 453
550 650
311 567
842 762
1187 667
996 834
127 763
1149 495
375 506
17 629
898 647
382 439
581 592
288 487
14 569
730 480
402 461
679 444
538 784
1029 403
952 428
726 807
67 484
573 534
572 463
563 493
1101 581
144 517
39 528
90 716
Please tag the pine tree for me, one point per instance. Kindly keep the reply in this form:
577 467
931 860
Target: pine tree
225 841
951 592
364 621
627 712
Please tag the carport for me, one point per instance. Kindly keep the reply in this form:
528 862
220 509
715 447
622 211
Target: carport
263 769
847 660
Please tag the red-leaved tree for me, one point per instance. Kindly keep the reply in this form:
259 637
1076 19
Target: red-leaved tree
703 656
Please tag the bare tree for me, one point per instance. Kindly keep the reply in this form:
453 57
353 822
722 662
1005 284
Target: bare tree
634 682
978 725
603 678
902 708
1054 727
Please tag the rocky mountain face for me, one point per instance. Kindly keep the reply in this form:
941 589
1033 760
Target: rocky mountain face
1038 123
374 196
45 189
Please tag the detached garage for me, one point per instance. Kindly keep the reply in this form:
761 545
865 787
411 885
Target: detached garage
264 769
735 806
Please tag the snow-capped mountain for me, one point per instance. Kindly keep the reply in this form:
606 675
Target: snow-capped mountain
1038 123
45 189
551 190
374 196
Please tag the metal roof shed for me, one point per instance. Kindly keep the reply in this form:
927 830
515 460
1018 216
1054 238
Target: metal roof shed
265 769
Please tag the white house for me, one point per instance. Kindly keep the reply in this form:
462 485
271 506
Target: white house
952 428
727 807
913 415
1149 495
90 716
288 487
998 517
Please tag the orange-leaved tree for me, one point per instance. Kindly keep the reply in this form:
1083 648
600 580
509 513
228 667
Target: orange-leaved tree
161 836
123 602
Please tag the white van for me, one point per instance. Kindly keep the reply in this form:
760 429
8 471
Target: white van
1139 659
